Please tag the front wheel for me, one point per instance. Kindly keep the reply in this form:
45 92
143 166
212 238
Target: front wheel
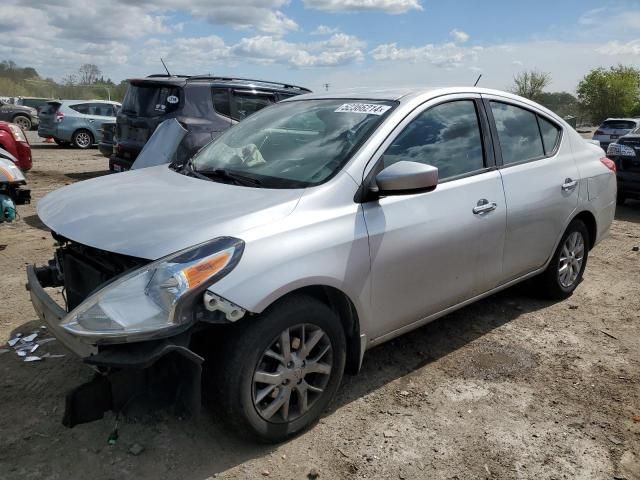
566 268
83 139
281 370
23 122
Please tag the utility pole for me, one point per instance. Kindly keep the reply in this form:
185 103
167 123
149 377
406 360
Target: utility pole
326 87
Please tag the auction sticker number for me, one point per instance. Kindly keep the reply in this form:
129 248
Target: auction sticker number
368 108
172 99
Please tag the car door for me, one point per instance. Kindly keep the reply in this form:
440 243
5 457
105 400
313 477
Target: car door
540 179
430 251
97 115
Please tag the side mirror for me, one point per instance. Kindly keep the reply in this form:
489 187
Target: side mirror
406 177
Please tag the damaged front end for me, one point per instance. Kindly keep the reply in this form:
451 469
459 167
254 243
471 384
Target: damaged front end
132 320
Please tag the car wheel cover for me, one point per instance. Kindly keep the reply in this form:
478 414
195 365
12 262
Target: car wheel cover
292 373
83 139
571 259
23 123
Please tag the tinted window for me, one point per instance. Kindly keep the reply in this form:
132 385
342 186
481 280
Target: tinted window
81 108
446 136
518 133
550 135
221 101
151 100
244 104
50 108
101 109
618 124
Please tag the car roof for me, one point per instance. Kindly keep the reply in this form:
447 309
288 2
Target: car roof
181 80
404 94
636 120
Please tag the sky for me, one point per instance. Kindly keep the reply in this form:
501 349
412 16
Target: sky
342 43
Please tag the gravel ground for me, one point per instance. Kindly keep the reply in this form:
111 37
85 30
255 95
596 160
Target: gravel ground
510 388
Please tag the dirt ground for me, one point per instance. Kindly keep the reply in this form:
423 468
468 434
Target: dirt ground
509 388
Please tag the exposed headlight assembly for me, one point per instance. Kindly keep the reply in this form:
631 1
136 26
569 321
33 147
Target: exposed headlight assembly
617 150
154 300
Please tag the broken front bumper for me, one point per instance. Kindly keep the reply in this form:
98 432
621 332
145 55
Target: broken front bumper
127 370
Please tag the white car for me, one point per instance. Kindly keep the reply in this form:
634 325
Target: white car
311 231
613 128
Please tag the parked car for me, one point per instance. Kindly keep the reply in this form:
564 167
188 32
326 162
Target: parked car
107 143
308 233
13 140
204 105
613 128
33 102
12 187
625 152
25 117
76 122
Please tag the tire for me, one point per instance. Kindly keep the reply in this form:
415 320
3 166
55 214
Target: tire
23 122
268 419
620 198
82 139
551 283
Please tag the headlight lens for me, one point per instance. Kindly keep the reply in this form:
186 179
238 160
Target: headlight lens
154 299
617 150
10 172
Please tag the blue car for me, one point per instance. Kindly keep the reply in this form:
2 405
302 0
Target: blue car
76 122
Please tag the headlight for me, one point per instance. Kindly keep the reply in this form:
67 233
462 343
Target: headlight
12 173
154 300
617 150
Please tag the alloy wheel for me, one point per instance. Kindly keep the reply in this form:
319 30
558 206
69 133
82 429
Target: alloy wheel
571 258
83 139
292 373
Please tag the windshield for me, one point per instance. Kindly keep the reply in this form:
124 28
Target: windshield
151 100
293 144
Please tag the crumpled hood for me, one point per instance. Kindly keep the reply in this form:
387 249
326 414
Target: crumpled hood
155 211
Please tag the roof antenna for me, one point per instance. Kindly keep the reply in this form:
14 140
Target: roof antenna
475 84
168 73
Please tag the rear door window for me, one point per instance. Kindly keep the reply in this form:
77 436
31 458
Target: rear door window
446 136
221 101
244 103
151 100
81 108
101 109
518 133
550 135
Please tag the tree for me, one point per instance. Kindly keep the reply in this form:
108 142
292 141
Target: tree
88 74
562 103
530 84
610 93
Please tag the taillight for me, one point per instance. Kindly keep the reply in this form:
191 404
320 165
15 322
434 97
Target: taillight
59 116
18 134
610 164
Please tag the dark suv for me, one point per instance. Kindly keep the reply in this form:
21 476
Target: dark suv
204 105
625 152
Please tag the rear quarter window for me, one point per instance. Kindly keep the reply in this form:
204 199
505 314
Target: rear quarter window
244 104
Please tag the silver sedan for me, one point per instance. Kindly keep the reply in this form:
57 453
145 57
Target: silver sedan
312 231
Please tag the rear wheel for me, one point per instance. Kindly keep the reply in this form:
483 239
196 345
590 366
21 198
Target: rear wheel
82 139
23 122
280 371
566 268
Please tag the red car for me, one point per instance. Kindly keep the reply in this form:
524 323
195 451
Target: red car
14 141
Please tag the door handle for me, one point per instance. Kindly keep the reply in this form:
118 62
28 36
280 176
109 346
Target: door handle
569 184
484 206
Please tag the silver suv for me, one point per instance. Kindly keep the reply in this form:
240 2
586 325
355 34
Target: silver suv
308 233
613 128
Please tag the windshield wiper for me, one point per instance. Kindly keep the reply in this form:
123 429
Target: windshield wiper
237 178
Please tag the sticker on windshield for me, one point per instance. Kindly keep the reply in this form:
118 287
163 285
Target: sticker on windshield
172 99
369 108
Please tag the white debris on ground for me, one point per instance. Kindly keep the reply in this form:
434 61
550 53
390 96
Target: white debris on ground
25 346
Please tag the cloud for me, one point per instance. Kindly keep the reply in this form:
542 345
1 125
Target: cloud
324 30
386 6
459 36
448 55
339 49
616 48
